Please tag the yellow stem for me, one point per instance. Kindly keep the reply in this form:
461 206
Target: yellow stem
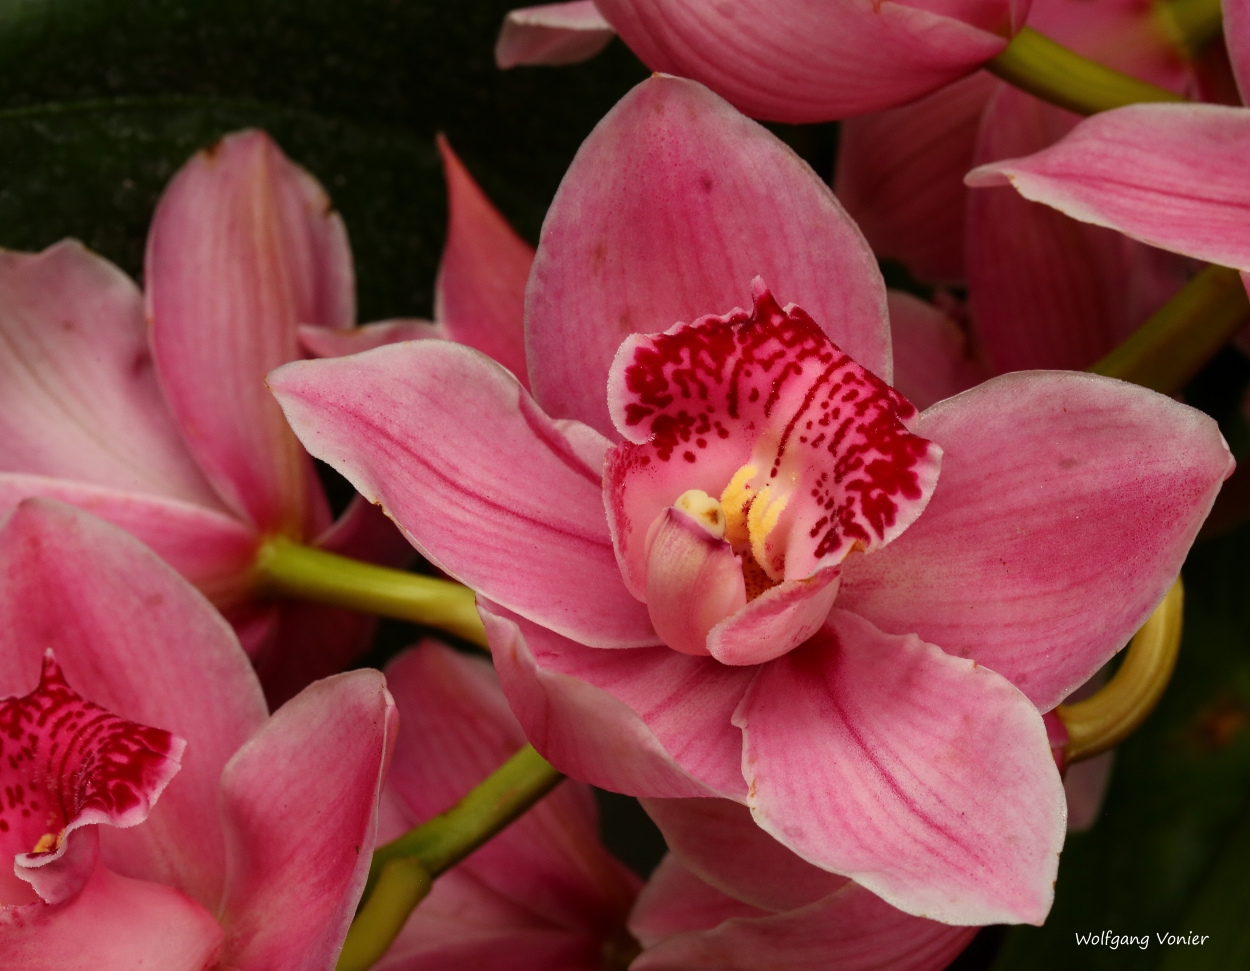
288 569
402 884
1115 712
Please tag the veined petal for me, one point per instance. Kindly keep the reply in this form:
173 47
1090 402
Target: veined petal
815 60
1237 40
1168 175
850 930
69 763
106 605
1066 506
78 395
925 778
900 175
456 729
776 621
672 206
552 34
719 842
1047 291
309 642
114 924
933 358
676 901
244 248
339 342
479 293
647 722
299 802
484 484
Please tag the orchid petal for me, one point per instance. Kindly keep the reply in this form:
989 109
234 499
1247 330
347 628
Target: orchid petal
719 842
68 764
1085 786
212 550
675 901
647 722
850 930
243 248
114 924
924 777
106 605
455 729
1168 175
932 356
483 484
479 293
900 175
1047 291
78 396
335 342
299 803
1066 506
1237 41
310 642
672 206
777 621
364 532
552 34
815 60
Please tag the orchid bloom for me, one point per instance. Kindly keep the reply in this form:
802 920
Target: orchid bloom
171 434
1172 176
1044 291
779 60
729 560
156 815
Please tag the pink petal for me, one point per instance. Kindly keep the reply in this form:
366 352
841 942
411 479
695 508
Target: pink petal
1047 291
672 206
815 60
364 532
299 802
553 34
1168 175
244 248
309 642
211 549
933 357
1085 785
647 722
676 901
69 764
923 777
337 342
900 175
1237 40
108 607
719 841
479 294
114 924
480 482
775 622
850 930
1066 506
455 729
78 396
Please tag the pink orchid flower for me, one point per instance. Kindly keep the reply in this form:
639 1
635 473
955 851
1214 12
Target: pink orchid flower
1172 176
256 853
879 635
779 60
545 894
1044 291
169 432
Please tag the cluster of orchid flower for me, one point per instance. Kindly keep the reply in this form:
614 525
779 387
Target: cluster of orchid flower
807 566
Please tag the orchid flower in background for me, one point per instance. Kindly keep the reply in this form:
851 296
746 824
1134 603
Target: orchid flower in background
785 60
544 894
176 439
162 818
690 593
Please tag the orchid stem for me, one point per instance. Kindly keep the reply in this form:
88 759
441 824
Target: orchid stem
1182 335
401 871
1044 68
289 569
1190 24
1115 712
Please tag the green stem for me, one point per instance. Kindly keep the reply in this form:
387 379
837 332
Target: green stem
392 890
288 569
1182 335
1190 24
1036 64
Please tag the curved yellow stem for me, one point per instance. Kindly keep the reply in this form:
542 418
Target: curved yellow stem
402 884
1110 716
